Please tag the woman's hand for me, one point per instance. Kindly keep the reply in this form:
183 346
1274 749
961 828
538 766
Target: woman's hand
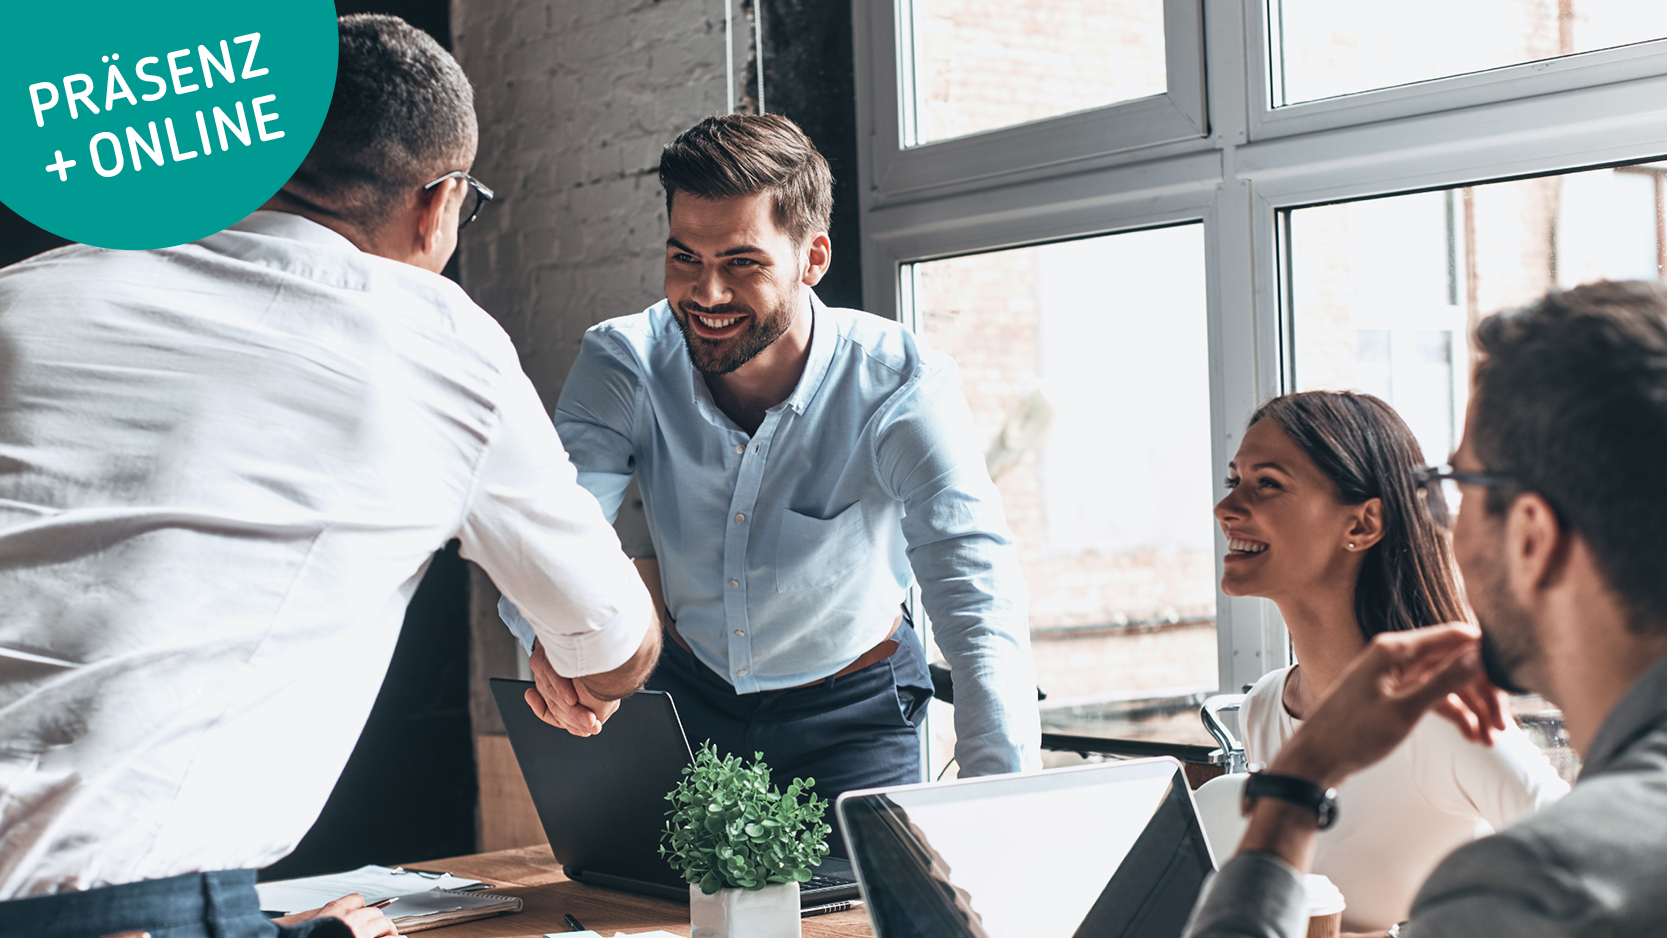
365 921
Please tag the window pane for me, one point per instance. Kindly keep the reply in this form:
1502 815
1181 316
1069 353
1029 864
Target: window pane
981 65
1085 364
1323 48
1384 293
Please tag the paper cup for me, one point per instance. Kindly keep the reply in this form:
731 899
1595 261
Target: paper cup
1325 907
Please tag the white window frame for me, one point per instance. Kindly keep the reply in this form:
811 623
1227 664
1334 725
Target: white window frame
900 170
1075 177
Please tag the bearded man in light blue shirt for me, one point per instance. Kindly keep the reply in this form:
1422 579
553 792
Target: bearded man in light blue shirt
799 466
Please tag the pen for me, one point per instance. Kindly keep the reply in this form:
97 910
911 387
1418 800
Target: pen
572 923
826 908
383 904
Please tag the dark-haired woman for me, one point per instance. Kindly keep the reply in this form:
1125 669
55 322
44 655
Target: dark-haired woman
1322 517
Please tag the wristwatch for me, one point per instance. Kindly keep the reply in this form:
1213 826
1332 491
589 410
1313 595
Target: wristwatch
1288 788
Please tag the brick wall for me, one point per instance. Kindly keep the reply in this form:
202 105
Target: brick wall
576 98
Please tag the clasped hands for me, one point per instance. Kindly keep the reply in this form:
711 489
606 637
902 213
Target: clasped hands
566 702
1383 694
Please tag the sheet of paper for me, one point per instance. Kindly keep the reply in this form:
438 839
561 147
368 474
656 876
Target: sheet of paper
374 882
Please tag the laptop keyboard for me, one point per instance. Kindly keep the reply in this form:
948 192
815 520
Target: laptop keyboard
824 882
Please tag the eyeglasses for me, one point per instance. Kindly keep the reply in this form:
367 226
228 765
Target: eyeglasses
1438 490
473 198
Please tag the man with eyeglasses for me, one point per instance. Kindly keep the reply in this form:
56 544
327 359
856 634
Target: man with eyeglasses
224 467
1561 540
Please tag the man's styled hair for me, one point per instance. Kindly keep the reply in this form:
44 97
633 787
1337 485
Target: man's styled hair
746 154
1571 402
403 113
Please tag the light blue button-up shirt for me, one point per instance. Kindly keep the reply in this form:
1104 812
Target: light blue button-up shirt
784 554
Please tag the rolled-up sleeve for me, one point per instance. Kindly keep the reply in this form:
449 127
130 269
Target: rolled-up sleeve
963 555
1256 895
545 543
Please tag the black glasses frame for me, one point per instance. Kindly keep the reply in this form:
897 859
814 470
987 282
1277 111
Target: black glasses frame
1429 478
480 188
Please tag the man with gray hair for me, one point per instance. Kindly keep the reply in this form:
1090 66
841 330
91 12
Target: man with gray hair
224 467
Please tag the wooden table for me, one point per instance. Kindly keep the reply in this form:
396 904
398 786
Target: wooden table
534 875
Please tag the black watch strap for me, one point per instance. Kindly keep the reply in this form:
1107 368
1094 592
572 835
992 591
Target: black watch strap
1292 790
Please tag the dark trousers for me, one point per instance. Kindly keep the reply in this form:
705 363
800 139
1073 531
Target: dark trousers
857 731
196 905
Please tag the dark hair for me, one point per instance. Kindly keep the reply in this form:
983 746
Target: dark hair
745 154
1571 402
1408 579
403 113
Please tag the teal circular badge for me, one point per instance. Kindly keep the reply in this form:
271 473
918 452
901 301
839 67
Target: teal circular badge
144 125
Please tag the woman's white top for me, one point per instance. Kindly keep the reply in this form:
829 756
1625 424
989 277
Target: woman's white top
1400 817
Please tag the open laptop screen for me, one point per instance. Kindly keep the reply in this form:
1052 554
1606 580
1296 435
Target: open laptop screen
1105 850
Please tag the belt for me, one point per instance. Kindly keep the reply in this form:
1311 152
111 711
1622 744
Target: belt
885 649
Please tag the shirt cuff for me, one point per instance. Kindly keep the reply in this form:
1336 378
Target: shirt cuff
517 624
601 650
1256 895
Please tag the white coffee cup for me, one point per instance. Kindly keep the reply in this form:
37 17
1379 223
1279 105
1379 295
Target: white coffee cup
1325 907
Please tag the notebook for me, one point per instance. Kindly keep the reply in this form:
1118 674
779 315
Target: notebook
421 900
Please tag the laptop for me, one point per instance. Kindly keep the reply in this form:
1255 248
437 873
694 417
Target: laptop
1101 851
602 799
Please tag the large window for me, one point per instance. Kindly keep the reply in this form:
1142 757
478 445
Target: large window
1106 484
1383 295
1322 195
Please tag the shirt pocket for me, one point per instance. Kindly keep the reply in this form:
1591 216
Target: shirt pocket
816 552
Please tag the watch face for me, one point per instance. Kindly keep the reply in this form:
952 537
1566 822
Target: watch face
1325 813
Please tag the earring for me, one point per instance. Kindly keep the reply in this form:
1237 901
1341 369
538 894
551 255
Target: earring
1351 545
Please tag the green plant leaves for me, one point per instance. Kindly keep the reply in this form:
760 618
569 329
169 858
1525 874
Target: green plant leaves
728 827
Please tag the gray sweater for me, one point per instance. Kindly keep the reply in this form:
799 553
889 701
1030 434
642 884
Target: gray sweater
1593 864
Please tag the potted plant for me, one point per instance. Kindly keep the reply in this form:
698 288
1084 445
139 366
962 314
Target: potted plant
743 845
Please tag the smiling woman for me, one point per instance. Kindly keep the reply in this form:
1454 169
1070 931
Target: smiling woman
1337 469
1322 517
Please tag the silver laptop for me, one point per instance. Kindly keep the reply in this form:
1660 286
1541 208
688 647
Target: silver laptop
1101 851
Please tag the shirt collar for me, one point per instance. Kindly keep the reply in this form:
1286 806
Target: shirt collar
1641 709
292 226
822 341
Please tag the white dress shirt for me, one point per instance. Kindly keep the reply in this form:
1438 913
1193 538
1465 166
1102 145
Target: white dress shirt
1398 818
224 467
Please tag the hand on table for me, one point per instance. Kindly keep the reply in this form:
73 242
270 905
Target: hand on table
564 702
365 922
1385 692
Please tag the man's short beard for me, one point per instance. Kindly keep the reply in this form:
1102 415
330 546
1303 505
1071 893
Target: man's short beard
721 358
1509 646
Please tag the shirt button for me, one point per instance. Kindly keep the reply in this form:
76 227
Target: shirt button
739 517
741 672
734 583
740 634
740 448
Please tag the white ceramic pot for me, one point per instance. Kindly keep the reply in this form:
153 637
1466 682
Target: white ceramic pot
771 912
